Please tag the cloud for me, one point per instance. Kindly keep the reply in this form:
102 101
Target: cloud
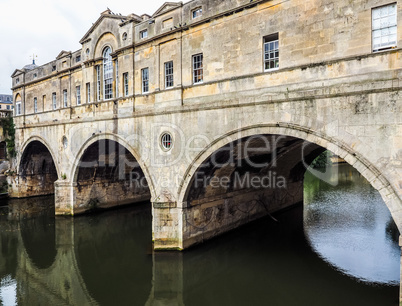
45 27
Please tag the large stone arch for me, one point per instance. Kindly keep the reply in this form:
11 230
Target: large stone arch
45 143
124 143
119 145
37 169
356 159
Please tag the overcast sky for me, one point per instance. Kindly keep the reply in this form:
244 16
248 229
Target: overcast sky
45 27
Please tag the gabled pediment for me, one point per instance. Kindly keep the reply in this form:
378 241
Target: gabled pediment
168 6
63 54
106 14
17 72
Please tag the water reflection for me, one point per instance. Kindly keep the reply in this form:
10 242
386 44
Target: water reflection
106 259
350 227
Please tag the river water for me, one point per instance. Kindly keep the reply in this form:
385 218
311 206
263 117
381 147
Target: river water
343 252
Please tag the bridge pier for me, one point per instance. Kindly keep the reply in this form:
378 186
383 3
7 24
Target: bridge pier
64 197
167 226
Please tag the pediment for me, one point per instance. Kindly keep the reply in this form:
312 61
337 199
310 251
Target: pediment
108 14
63 54
17 72
168 6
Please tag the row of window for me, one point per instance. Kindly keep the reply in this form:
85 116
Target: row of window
198 74
168 23
384 27
7 106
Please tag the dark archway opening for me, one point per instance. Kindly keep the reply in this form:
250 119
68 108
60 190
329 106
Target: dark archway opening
228 189
3 150
108 175
246 180
37 171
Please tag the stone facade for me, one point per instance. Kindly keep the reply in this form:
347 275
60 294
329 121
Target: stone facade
6 105
326 87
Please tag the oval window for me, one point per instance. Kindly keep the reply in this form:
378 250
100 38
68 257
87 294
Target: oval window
166 141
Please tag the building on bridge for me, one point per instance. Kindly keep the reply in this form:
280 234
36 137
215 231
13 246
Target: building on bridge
213 110
6 105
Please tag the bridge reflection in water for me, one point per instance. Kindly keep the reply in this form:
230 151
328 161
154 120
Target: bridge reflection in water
107 259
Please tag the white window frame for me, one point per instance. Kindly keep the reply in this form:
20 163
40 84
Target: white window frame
145 80
196 13
144 34
54 100
107 74
78 94
169 80
125 84
88 88
65 97
18 108
198 68
384 27
98 83
271 52
117 78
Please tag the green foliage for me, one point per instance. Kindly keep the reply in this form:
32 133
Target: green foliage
3 187
9 133
322 160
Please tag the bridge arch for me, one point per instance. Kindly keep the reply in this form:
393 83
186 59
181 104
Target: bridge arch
356 159
37 168
109 160
45 144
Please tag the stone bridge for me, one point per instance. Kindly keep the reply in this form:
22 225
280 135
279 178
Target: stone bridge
213 112
223 141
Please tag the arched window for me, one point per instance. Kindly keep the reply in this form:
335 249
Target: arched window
107 73
18 105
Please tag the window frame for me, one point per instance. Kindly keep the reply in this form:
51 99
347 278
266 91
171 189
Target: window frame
98 83
117 77
144 34
107 73
54 100
65 100
169 75
145 80
198 78
269 40
381 28
196 13
125 84
88 90
35 105
18 107
78 94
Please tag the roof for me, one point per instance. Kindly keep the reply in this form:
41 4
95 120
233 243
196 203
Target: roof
107 14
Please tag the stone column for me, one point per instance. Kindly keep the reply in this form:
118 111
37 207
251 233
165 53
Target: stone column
64 198
167 226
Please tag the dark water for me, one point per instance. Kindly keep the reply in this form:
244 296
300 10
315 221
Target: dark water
344 255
